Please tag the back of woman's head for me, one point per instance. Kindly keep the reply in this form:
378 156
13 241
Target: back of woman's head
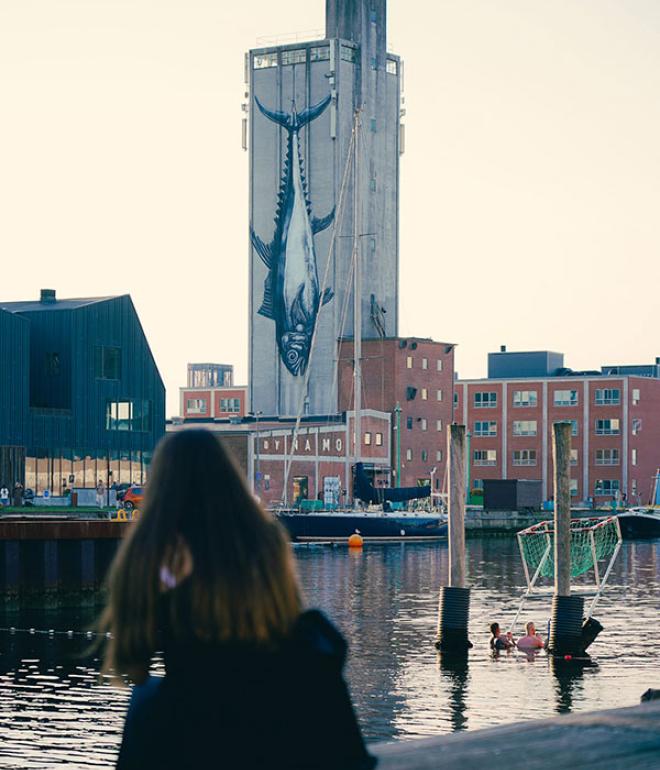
239 578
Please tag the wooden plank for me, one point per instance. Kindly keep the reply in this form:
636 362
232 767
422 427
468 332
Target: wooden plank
561 458
63 530
456 459
617 739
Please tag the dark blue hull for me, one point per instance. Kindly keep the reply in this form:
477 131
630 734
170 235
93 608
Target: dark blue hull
636 526
340 526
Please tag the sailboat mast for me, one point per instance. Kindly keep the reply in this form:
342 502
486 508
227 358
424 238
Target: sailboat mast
357 291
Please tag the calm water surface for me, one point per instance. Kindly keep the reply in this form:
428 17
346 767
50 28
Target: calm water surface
54 710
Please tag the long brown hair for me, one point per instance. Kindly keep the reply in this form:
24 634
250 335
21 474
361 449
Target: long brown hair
242 585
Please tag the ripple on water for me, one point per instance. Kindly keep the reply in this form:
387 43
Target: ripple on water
55 709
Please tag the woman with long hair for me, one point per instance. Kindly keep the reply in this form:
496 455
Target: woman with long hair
207 577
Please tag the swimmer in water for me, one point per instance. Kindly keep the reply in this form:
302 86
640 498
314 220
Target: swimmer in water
532 641
498 640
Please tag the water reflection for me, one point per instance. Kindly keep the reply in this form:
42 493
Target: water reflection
569 685
454 671
385 600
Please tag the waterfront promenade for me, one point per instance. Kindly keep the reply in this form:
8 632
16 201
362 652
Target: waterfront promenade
616 739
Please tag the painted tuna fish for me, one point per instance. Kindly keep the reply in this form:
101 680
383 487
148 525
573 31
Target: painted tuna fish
292 295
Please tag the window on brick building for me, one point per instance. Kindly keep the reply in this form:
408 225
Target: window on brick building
438 395
574 457
607 427
424 455
574 427
409 362
485 400
485 456
230 405
606 486
574 487
423 423
409 423
524 457
485 428
367 438
379 439
438 365
635 396
409 454
524 427
425 363
438 425
196 406
633 457
425 394
636 425
606 396
524 398
607 457
438 455
565 398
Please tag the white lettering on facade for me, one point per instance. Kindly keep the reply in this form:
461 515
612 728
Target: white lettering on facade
308 446
326 445
339 444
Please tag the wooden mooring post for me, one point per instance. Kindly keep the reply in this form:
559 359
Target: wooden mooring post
567 611
454 608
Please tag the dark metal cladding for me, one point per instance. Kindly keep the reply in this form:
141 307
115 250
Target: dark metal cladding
55 393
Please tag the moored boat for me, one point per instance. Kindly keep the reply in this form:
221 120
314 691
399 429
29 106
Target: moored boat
321 526
640 523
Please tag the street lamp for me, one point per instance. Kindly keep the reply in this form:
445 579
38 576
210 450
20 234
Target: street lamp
257 480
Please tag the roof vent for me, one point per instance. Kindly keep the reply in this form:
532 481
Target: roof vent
502 348
48 296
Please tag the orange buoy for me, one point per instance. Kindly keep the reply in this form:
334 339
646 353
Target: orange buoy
355 541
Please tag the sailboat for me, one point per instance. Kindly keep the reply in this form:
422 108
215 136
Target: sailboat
643 522
377 513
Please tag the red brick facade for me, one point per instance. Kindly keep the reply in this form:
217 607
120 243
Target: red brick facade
616 434
213 403
418 375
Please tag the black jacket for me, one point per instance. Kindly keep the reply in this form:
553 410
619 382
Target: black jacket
241 706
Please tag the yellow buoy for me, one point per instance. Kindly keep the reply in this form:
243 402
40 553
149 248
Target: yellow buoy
355 541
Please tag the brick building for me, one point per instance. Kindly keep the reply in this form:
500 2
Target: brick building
210 393
615 414
412 379
321 456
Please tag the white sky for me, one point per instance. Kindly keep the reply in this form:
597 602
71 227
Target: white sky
530 185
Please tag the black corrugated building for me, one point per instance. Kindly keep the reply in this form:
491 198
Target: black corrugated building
87 399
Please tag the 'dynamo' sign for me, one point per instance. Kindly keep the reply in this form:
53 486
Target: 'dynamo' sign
292 296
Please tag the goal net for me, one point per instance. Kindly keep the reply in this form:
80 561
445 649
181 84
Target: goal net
595 544
592 541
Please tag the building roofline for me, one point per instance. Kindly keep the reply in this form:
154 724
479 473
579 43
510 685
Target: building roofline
350 338
556 378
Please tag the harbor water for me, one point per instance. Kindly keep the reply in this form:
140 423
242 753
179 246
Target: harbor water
55 711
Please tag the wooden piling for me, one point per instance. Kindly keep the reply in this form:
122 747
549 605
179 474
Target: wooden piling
454 605
456 456
561 457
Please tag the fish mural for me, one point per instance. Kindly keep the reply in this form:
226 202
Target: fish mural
292 296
